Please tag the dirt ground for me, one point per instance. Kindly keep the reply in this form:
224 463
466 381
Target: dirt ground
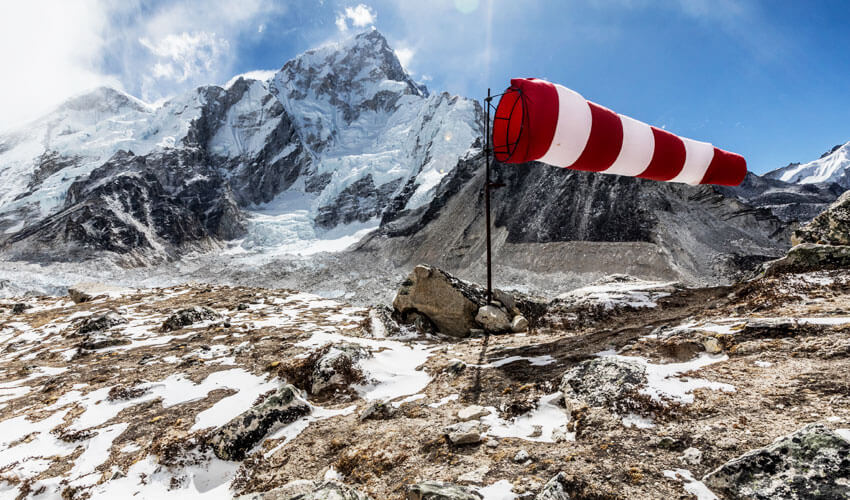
785 375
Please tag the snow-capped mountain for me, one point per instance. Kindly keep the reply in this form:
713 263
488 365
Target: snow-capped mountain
328 141
832 166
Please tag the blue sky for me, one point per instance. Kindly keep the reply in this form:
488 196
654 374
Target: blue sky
770 80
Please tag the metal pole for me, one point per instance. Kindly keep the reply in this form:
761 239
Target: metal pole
487 198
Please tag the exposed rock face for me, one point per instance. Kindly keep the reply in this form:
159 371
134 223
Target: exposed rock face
604 382
555 489
234 439
832 227
310 490
813 462
100 322
434 490
188 316
157 204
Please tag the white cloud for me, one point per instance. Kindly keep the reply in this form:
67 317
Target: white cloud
360 16
405 55
49 50
186 55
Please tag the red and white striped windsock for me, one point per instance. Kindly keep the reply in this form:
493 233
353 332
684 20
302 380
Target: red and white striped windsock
538 120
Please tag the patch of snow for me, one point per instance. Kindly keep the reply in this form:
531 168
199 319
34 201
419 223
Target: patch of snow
545 419
534 361
663 381
637 421
500 490
445 400
692 485
763 364
391 372
408 399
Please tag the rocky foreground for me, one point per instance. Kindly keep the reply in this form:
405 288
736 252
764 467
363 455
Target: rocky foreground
624 389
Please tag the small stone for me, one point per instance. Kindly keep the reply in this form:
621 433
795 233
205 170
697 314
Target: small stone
378 411
473 412
560 435
464 432
242 306
521 456
519 324
555 489
691 456
456 367
20 307
536 432
712 346
492 442
493 319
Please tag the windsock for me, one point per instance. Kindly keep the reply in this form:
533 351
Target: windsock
546 122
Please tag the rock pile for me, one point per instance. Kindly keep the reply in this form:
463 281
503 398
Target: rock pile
434 300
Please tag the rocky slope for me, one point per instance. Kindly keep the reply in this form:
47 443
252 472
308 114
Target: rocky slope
327 141
622 390
791 202
550 220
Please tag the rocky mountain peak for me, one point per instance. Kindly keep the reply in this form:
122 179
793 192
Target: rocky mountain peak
832 166
358 69
103 100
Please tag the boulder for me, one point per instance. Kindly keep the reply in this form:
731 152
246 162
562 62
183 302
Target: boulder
807 257
436 490
450 303
605 382
100 322
378 410
555 489
188 316
473 412
309 490
20 307
88 291
234 439
519 324
337 367
831 227
464 432
493 319
813 462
